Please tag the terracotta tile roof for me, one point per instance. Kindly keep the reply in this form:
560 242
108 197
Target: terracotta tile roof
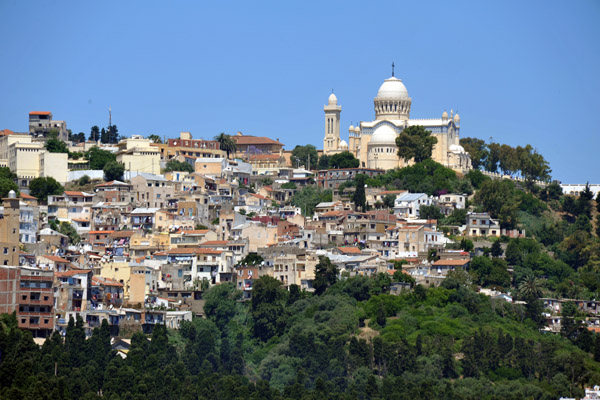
214 243
194 231
56 259
73 193
454 263
262 157
72 272
121 234
100 280
349 250
268 188
187 250
6 132
27 196
258 196
249 140
80 220
40 113
391 192
99 232
332 214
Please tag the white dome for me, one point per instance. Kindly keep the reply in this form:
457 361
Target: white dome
455 148
351 129
343 144
384 135
332 99
456 118
392 88
357 129
445 115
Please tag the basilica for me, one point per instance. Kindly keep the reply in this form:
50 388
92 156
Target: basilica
374 142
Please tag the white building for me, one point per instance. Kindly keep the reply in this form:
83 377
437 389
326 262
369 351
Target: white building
407 205
374 142
481 224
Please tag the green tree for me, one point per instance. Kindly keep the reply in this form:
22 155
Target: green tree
6 185
476 178
289 185
80 137
415 142
309 197
323 162
326 274
493 157
267 308
252 259
226 143
497 249
345 159
84 180
67 229
174 165
359 198
109 135
389 200
6 173
477 149
43 187
113 171
302 154
94 134
499 198
530 287
98 157
430 212
219 303
154 138
55 145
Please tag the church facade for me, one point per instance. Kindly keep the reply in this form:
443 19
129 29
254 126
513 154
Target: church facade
374 142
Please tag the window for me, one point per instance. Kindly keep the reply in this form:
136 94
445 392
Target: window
6 250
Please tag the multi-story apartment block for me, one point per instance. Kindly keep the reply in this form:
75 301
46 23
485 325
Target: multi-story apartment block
41 123
139 155
9 230
152 190
28 291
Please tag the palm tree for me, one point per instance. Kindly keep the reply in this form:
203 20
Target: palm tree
226 143
530 287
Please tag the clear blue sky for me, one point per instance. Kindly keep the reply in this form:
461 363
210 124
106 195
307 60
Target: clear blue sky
519 72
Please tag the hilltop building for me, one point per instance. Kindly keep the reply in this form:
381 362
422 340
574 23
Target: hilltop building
374 142
41 122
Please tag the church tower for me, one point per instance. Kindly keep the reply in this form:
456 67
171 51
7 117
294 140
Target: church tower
331 142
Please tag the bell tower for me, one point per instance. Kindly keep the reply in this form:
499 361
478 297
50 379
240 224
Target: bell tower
331 142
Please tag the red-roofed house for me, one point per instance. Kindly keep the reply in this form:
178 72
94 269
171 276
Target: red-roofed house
255 202
41 122
53 263
247 145
107 291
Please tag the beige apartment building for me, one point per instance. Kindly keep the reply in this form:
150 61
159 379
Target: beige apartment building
138 155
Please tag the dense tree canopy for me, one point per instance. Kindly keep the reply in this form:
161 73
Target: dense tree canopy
415 143
43 187
113 171
174 165
98 157
226 143
309 197
525 162
302 155
344 159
